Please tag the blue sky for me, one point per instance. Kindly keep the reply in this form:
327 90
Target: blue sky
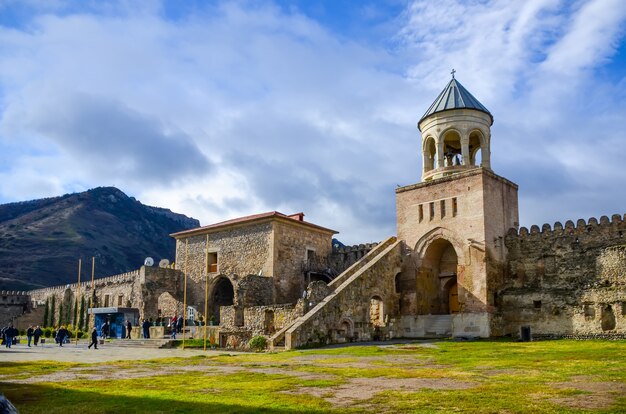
222 109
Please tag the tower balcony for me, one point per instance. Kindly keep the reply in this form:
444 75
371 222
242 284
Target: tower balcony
446 171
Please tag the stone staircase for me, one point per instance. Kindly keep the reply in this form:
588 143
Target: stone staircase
371 275
139 343
277 341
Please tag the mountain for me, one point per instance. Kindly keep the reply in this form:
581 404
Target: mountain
42 240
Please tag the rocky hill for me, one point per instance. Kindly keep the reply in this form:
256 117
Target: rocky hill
42 240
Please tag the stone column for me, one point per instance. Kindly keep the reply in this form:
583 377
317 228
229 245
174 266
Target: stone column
486 153
465 149
440 162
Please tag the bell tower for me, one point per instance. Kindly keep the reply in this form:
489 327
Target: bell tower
456 132
453 223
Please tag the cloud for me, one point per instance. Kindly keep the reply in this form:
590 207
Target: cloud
108 139
229 109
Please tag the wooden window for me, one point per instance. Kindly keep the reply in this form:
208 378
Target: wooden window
120 300
432 210
454 207
421 212
107 298
212 262
443 208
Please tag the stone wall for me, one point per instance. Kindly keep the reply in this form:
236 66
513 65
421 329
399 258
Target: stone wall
139 289
292 241
12 305
240 251
346 313
342 258
566 280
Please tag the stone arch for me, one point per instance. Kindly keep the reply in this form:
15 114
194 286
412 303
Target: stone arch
398 283
222 294
451 148
476 147
429 150
269 322
439 256
439 233
346 329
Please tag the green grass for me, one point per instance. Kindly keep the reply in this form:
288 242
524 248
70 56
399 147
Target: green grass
473 377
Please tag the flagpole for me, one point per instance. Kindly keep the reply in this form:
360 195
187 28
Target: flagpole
77 296
206 289
93 289
185 292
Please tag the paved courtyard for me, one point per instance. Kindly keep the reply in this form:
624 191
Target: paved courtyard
80 353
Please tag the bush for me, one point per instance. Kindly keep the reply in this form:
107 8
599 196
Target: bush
258 343
47 332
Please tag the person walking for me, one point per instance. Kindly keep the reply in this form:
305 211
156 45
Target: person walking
29 334
61 334
146 329
179 324
94 338
105 330
9 333
129 327
37 333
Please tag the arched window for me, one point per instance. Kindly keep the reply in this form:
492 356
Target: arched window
451 149
430 154
475 148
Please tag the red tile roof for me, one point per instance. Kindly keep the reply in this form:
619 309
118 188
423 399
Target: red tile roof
247 219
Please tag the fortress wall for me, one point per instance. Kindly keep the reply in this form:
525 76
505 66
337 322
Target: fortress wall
566 279
343 257
12 305
137 289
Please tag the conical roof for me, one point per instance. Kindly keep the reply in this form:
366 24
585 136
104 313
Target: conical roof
455 96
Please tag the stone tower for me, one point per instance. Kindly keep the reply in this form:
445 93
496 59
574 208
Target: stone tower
453 223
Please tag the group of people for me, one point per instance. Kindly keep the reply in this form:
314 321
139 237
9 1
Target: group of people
8 333
35 333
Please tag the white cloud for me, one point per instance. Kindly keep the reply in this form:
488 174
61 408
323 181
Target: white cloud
245 108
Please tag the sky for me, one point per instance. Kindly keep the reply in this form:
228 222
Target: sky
222 109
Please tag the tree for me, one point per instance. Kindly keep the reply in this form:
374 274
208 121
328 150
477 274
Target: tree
75 319
81 318
52 310
46 312
61 315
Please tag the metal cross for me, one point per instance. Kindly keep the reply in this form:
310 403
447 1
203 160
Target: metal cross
453 72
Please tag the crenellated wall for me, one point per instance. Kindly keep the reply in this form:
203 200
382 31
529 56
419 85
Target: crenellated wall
342 258
141 289
12 305
565 279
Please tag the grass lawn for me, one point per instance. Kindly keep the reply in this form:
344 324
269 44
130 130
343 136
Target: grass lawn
445 376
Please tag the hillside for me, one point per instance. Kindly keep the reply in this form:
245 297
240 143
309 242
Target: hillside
42 240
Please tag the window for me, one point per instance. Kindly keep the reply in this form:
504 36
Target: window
443 208
212 262
432 211
120 300
421 212
310 255
454 207
107 298
537 304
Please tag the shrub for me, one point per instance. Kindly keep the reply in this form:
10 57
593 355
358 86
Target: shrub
47 332
258 343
